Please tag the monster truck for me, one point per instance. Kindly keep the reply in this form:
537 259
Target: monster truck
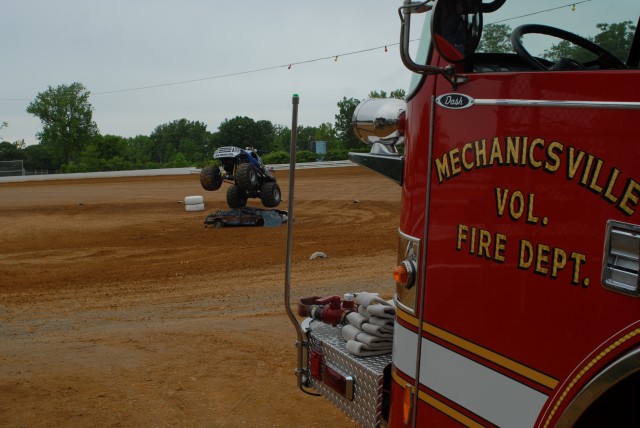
246 173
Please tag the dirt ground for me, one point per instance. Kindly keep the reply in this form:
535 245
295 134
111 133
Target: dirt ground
119 308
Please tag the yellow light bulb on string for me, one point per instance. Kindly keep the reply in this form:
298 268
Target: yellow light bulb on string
573 8
335 59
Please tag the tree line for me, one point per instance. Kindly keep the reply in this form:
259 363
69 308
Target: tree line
71 142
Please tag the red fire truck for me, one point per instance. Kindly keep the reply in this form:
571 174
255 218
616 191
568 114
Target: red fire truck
517 298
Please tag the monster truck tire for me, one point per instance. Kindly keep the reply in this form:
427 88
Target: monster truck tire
270 194
236 197
210 177
246 176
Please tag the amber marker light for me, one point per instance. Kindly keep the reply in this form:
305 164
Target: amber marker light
400 274
406 404
404 273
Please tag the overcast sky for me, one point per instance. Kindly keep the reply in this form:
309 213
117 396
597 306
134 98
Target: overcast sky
113 47
118 45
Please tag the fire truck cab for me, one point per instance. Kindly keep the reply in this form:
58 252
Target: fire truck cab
516 294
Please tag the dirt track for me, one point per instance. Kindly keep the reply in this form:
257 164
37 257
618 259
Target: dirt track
118 308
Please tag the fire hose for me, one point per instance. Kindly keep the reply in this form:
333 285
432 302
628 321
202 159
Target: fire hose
330 309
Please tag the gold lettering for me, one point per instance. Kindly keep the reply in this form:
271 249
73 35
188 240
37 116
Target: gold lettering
554 157
523 157
578 259
442 166
483 245
559 261
513 151
543 258
501 200
532 219
481 153
587 170
467 165
462 235
613 177
454 158
472 244
515 212
592 185
525 259
532 160
574 162
501 247
629 197
496 153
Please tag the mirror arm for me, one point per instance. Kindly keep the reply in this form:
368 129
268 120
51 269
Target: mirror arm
405 22
405 27
449 73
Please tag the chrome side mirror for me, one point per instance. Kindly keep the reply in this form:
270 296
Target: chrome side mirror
380 124
377 121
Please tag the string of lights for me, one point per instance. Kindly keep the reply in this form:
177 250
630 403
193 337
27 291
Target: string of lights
291 64
257 70
571 5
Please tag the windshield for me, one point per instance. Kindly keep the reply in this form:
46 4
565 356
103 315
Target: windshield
609 24
423 45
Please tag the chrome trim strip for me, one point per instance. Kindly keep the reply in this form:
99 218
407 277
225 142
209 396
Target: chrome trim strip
611 105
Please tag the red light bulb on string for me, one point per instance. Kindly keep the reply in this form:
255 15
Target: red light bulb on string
385 49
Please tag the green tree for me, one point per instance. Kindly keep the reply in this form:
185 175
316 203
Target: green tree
242 131
67 119
378 94
306 156
343 125
265 136
325 132
306 135
3 125
615 38
336 154
180 136
110 146
39 157
139 150
90 160
276 157
178 161
281 139
397 93
9 152
495 38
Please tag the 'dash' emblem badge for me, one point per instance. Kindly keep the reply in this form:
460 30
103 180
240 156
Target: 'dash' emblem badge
455 101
